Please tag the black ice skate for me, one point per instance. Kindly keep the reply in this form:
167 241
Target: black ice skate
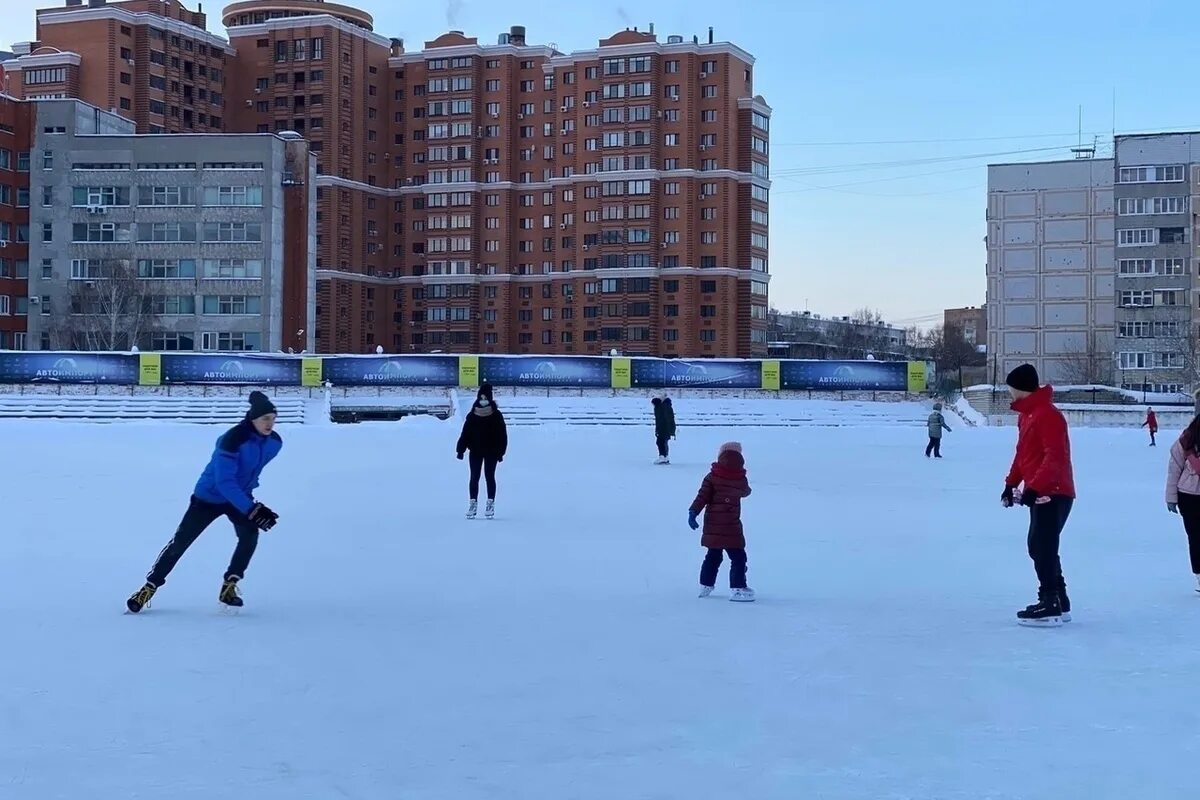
1047 613
1064 604
229 592
141 598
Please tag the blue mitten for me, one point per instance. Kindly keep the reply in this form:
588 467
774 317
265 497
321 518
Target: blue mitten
692 521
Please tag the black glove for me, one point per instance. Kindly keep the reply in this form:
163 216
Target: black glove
263 517
460 456
499 459
1029 497
1006 498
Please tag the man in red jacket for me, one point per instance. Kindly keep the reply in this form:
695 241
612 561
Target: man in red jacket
1151 423
1043 465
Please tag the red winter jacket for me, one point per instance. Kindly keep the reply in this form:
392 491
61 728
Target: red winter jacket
720 498
1151 421
1043 460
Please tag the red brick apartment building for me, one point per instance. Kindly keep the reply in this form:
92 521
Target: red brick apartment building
16 128
492 198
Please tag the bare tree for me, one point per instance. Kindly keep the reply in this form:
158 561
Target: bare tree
109 312
1084 365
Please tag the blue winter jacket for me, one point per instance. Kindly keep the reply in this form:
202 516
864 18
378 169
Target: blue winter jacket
232 474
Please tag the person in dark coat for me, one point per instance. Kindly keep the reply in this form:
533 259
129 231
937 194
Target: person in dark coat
225 488
937 424
1042 479
664 427
720 498
485 435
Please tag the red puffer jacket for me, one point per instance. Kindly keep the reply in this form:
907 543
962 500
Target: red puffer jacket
1043 460
721 494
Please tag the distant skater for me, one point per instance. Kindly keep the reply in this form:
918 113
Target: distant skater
720 498
664 428
937 424
1042 465
226 488
1151 424
485 435
1183 489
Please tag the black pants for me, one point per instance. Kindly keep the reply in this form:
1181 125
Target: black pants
664 449
1152 442
934 446
486 464
712 565
1045 529
198 517
1189 509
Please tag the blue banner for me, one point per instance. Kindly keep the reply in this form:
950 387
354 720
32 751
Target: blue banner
653 373
852 376
230 368
47 367
391 370
588 372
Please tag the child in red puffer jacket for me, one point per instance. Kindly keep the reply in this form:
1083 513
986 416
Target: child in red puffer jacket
720 498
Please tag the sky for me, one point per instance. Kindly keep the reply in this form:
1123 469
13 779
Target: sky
885 115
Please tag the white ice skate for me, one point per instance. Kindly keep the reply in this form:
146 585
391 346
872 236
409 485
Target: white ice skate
741 596
489 510
705 591
472 509
1198 583
662 460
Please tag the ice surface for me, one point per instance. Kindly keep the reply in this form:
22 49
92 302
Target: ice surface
392 649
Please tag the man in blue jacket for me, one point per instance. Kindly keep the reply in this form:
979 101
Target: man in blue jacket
225 489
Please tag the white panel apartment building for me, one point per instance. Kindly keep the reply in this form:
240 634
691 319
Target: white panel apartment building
1050 266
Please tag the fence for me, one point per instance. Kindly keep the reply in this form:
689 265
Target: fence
567 372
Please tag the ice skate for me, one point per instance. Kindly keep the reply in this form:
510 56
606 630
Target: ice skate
489 511
1045 614
1064 605
141 598
705 591
1197 583
741 596
229 593
662 460
472 509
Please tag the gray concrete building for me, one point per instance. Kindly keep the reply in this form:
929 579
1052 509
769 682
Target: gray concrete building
180 242
1156 301
1050 269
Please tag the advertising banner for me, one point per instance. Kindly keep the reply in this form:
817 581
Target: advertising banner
46 367
854 376
918 379
587 372
311 371
468 371
392 370
621 373
150 369
770 375
230 368
654 373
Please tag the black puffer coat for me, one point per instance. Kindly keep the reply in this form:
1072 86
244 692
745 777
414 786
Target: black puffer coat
484 432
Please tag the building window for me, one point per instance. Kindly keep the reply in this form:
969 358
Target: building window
233 195
232 232
1136 237
1137 298
238 305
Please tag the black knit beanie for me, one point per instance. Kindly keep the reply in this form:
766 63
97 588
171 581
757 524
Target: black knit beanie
260 406
1024 378
486 391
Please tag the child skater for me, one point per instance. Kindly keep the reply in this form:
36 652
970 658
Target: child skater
720 498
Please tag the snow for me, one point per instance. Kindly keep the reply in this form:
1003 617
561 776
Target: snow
392 649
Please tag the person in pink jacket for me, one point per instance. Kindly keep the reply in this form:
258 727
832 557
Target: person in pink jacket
1183 489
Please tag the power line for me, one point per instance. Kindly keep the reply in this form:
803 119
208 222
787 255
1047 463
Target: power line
861 166
880 142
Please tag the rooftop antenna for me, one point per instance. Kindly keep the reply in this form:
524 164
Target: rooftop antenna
1081 150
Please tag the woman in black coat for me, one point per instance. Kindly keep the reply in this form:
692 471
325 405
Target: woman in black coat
485 435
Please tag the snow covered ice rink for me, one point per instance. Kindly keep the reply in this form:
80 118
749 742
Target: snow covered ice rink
392 649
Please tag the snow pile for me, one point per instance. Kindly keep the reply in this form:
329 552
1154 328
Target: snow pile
967 412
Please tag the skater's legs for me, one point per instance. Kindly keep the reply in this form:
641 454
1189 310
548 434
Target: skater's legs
929 447
1152 442
663 447
198 517
489 474
937 448
476 461
247 543
710 567
1189 509
1046 523
737 567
